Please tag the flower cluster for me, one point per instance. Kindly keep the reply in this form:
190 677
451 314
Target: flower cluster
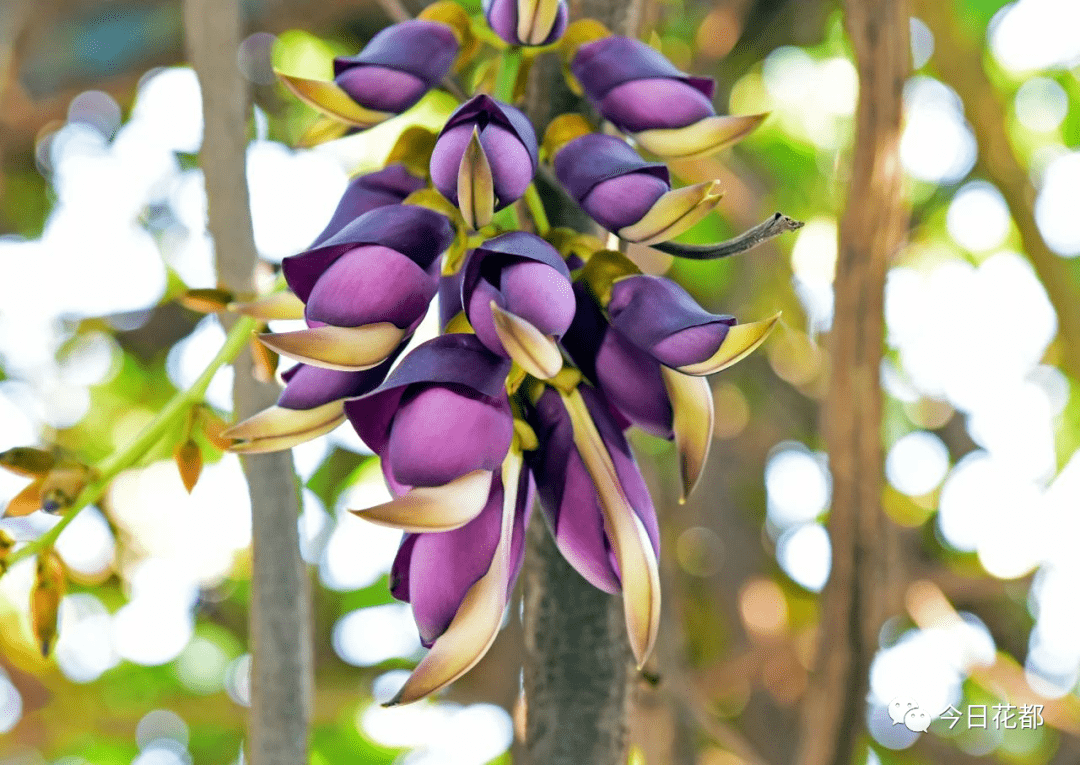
552 344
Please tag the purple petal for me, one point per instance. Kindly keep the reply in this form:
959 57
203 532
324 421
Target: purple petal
539 294
662 318
417 232
366 192
381 89
424 49
307 387
449 298
480 317
371 284
441 433
399 571
457 359
502 17
446 158
602 65
624 200
631 380
511 168
653 103
593 158
443 566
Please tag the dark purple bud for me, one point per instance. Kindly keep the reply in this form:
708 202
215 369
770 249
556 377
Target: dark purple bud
389 186
525 276
508 142
568 494
449 297
637 88
662 318
398 66
610 180
416 232
443 412
527 22
308 387
434 571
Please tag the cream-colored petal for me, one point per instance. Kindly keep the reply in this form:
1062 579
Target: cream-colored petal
535 20
638 567
673 213
704 137
475 185
26 501
478 618
436 508
283 428
279 306
740 341
536 353
349 349
332 101
692 421
322 130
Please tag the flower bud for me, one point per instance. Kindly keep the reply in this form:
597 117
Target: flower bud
393 71
484 158
518 297
527 22
668 112
389 186
365 288
627 195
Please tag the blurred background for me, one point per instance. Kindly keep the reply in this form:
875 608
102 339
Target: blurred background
103 224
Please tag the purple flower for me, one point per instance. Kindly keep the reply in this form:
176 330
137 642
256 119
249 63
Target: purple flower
517 295
312 404
597 504
365 288
484 158
627 195
389 186
642 93
661 318
393 71
527 22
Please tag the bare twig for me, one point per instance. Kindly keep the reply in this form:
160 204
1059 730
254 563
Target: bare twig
770 228
282 685
859 593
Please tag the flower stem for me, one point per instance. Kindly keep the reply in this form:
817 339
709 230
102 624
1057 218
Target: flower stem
176 409
506 78
536 209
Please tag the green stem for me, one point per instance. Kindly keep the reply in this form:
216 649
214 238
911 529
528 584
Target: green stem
150 435
506 78
536 209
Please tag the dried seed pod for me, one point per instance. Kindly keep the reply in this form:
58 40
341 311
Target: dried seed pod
45 599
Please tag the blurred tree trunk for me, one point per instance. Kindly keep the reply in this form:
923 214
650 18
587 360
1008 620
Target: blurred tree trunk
859 595
280 640
577 656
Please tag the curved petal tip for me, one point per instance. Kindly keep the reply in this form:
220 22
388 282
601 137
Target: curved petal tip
741 340
349 349
536 353
433 509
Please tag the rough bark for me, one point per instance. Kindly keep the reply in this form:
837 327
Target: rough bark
281 674
858 597
577 656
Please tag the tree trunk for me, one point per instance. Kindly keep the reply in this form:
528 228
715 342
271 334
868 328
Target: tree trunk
281 675
577 656
860 593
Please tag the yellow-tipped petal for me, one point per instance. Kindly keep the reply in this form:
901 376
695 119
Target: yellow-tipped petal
638 566
322 130
535 20
349 349
475 186
740 341
674 212
536 353
205 300
277 307
26 501
332 101
704 137
277 428
435 508
561 131
478 618
692 421
578 33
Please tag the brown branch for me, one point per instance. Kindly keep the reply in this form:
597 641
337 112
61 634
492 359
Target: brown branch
857 598
282 685
960 64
